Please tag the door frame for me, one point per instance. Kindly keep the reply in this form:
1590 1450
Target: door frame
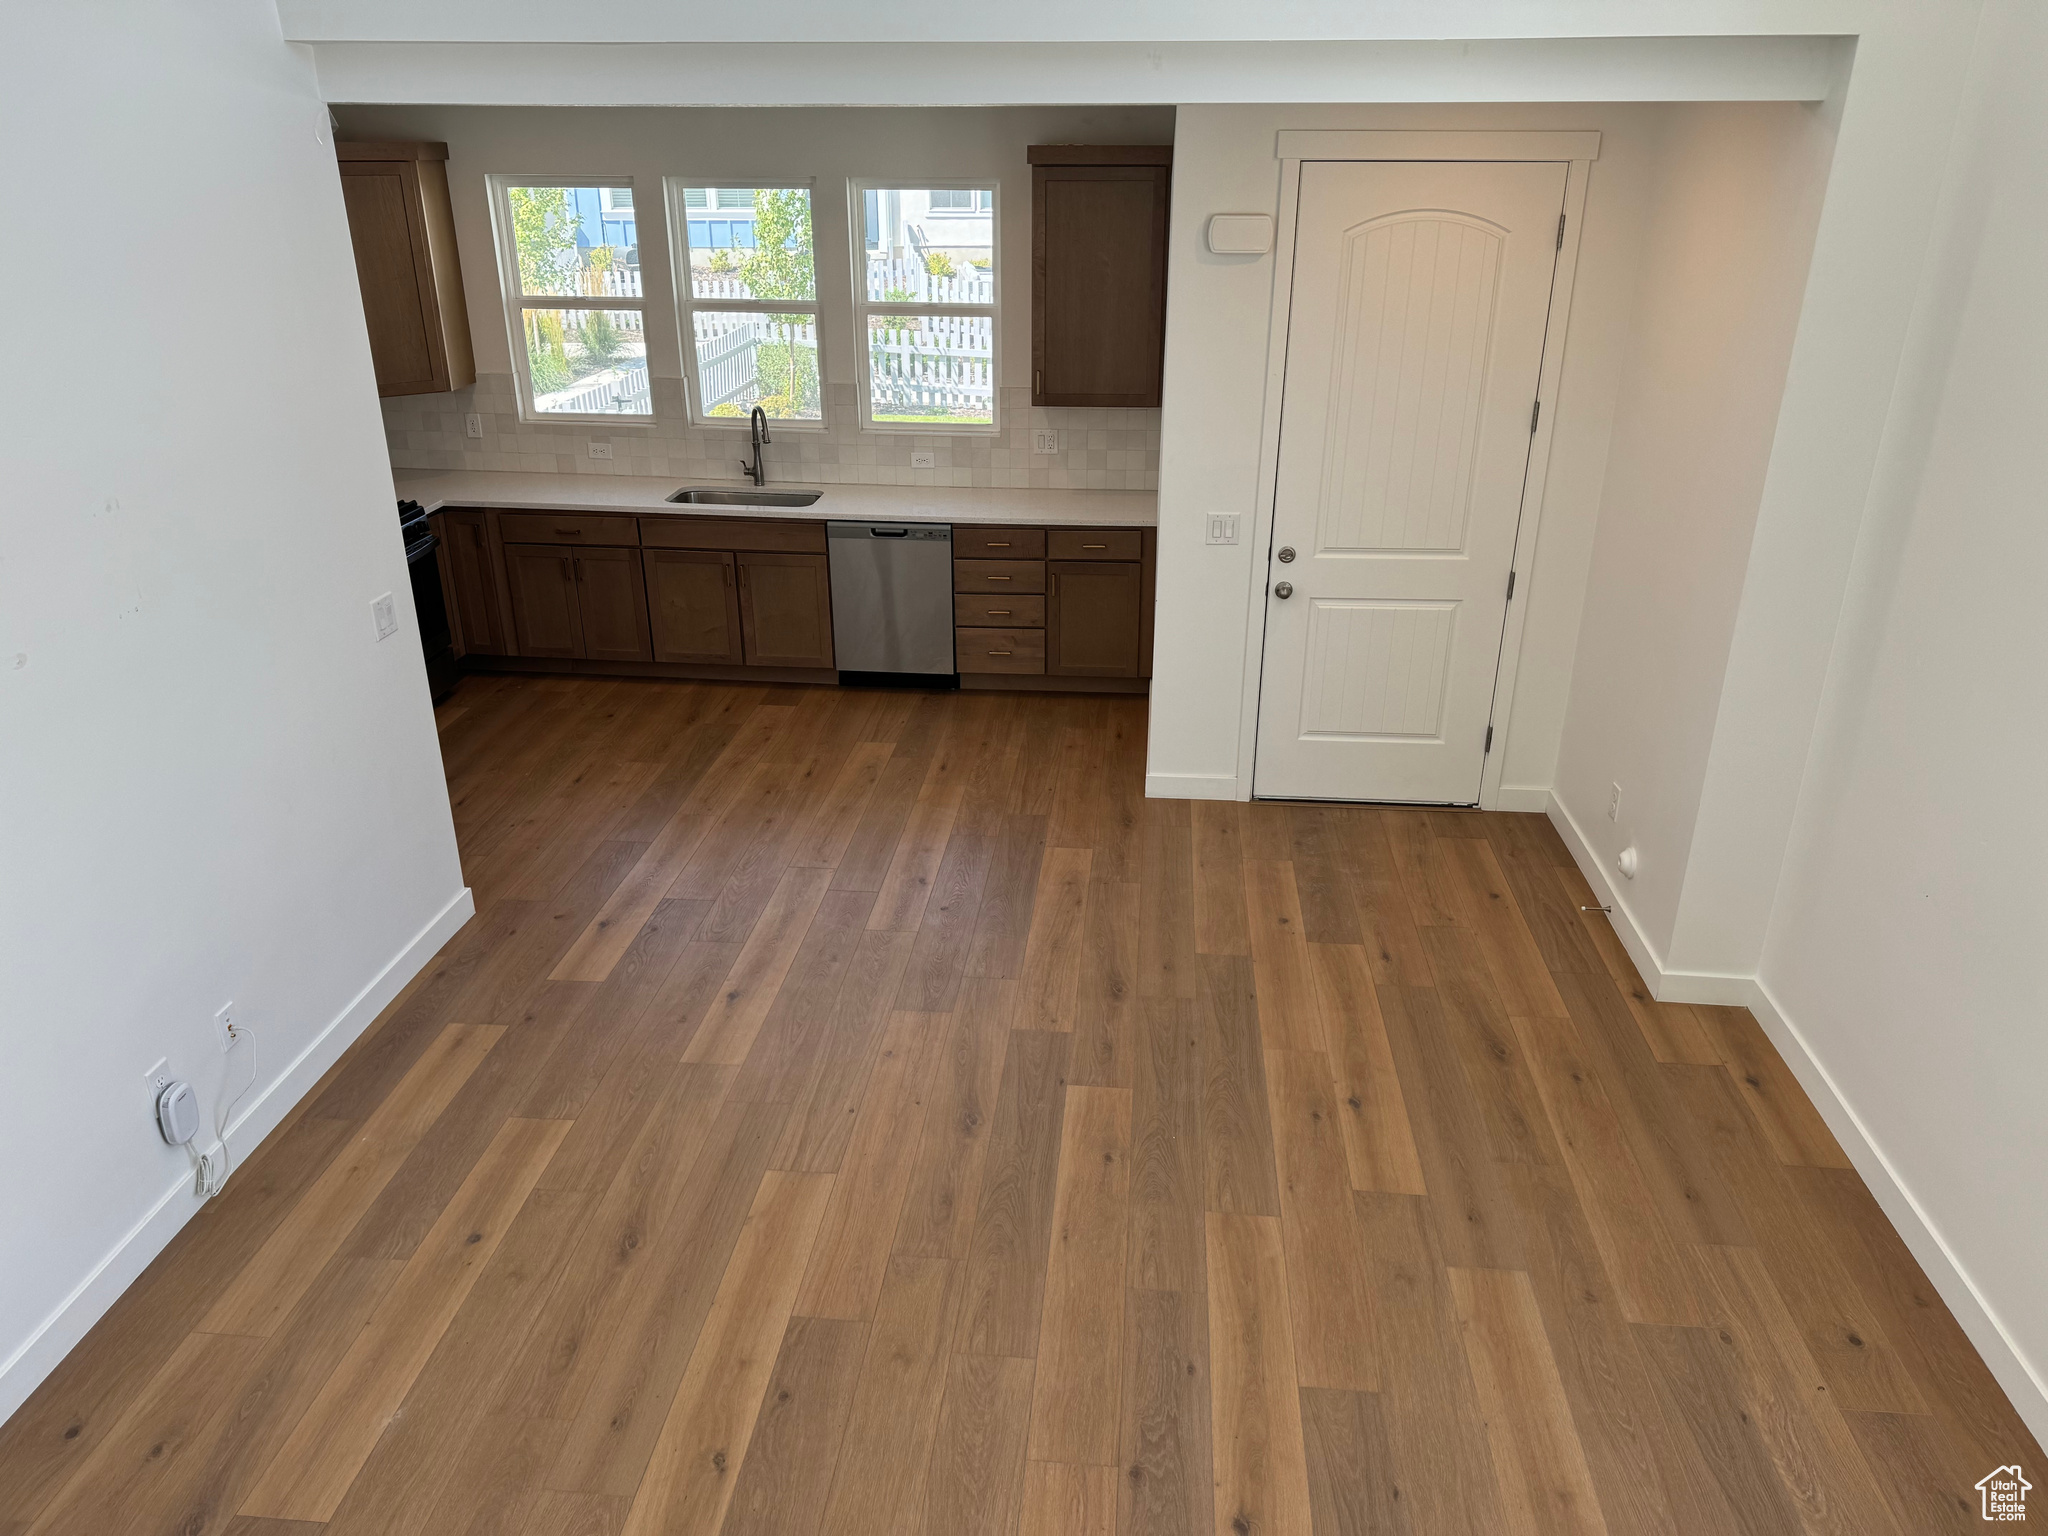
1576 151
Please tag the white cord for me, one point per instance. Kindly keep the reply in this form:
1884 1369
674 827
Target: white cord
211 1178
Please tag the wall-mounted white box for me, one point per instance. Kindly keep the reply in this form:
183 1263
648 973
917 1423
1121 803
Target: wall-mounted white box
1240 234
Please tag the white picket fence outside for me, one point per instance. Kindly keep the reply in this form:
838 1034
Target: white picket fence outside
615 392
907 275
941 365
611 283
728 353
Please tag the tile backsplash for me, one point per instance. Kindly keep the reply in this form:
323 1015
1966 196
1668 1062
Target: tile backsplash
1099 449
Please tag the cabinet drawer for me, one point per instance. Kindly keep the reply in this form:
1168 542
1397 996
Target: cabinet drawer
999 650
565 528
1094 544
998 543
685 532
998 575
1026 611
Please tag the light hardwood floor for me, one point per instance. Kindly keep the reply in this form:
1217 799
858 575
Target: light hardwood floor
865 1113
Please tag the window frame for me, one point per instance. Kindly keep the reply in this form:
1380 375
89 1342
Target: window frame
497 186
675 201
857 189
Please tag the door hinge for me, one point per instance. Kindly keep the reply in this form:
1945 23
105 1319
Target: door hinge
1511 586
1489 739
1560 231
1535 415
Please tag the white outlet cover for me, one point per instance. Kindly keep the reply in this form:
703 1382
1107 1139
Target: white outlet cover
224 1027
473 424
600 450
384 614
1045 440
924 460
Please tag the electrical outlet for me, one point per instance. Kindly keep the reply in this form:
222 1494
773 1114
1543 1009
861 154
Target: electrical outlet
1614 802
924 460
225 1028
159 1076
384 614
600 450
1045 440
473 424
1222 528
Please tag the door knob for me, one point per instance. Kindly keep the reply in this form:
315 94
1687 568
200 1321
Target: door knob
1286 554
1283 589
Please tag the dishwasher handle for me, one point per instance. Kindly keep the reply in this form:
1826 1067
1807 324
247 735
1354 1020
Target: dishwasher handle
878 532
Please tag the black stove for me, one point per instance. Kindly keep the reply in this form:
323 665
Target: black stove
437 639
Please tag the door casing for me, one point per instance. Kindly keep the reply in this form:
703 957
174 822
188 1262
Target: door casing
1577 151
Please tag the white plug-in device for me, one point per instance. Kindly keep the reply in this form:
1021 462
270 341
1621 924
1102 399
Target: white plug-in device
177 1113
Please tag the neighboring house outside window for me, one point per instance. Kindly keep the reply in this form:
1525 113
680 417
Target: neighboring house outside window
747 297
569 266
925 306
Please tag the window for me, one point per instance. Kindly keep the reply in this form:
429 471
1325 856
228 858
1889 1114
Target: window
925 306
569 261
747 293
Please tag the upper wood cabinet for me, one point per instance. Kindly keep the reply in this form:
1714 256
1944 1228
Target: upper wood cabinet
403 230
1098 272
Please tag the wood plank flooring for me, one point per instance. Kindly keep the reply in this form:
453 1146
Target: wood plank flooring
865 1113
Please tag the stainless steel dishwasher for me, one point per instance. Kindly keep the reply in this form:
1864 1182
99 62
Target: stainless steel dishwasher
892 597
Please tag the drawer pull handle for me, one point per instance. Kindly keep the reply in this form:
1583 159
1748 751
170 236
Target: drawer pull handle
999 653
999 613
998 543
570 533
999 578
1095 546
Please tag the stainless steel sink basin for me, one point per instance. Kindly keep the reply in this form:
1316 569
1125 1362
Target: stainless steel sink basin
698 496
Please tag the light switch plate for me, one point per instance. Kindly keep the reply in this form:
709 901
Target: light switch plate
923 460
1045 440
384 614
600 450
1222 528
473 424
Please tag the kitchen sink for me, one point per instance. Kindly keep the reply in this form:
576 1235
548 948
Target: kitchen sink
697 496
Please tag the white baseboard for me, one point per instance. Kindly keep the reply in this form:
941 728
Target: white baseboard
1916 1227
1666 985
2023 1383
24 1370
1522 797
1191 786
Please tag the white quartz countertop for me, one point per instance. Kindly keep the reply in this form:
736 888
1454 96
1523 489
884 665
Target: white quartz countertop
645 494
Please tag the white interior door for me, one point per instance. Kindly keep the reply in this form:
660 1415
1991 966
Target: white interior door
1414 350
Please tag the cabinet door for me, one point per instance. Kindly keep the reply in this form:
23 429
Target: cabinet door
611 602
384 225
543 582
785 610
1098 283
476 616
1093 618
693 605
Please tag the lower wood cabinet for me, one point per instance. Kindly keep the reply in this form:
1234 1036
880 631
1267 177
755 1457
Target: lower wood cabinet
573 603
476 615
785 609
611 602
693 606
1094 618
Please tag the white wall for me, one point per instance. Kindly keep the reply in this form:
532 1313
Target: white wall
1906 947
827 146
1731 202
217 785
1216 349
